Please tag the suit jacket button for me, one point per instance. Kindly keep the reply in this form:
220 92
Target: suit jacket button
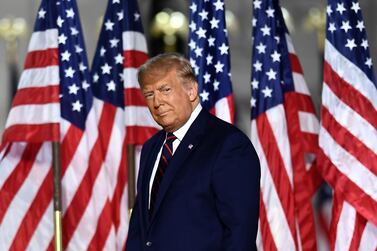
149 243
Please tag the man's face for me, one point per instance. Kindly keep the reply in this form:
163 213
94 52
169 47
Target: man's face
169 101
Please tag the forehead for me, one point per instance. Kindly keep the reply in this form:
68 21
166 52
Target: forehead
154 80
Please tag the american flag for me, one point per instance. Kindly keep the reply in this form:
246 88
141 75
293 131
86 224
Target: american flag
284 131
210 57
123 116
53 103
348 130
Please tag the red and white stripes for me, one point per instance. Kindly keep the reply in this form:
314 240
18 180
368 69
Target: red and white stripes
348 151
283 136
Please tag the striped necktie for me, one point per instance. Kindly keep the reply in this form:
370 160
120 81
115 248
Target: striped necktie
166 155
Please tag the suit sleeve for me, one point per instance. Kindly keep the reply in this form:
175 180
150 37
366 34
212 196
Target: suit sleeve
235 180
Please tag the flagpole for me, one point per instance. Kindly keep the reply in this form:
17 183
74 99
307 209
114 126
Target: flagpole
131 177
57 196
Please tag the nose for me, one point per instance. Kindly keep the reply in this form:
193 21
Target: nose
157 100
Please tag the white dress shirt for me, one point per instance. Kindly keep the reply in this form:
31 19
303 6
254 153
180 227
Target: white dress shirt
180 133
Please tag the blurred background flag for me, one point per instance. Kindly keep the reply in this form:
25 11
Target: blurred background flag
284 131
53 103
124 118
210 57
348 131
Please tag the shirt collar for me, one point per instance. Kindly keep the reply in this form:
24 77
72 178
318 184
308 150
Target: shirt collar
181 132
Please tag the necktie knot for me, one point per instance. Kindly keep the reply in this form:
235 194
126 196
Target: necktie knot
170 137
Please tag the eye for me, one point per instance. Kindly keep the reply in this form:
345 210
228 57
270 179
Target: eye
148 95
165 90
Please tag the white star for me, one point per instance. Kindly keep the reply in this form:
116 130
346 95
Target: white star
219 5
360 25
61 39
74 31
364 44
193 7
203 14
120 15
201 33
214 23
109 25
277 38
265 30
328 10
192 26
340 8
65 56
114 42
59 21
351 44
253 102
275 56
258 66
254 84
198 51
270 12
76 106
95 78
223 49
136 16
119 59
85 85
216 85
261 48
256 4
106 69
332 27
111 86
78 49
192 44
209 59
41 13
368 62
271 74
73 89
204 95
70 13
82 67
116 1
254 22
211 41
355 7
121 76
345 26
267 92
102 51
69 72
219 67
207 77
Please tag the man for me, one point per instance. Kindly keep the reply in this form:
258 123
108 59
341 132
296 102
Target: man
198 188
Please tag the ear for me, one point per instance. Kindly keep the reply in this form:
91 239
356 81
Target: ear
192 91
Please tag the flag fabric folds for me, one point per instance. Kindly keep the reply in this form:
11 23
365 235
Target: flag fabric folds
284 131
348 129
123 116
210 57
53 103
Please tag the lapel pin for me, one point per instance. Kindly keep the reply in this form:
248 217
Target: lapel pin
190 146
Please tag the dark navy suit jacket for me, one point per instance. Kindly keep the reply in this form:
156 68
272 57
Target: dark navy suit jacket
209 195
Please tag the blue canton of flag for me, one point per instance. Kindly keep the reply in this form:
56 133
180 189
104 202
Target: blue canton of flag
108 61
271 71
75 94
210 57
346 32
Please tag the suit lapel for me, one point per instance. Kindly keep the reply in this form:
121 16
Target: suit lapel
188 144
147 172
